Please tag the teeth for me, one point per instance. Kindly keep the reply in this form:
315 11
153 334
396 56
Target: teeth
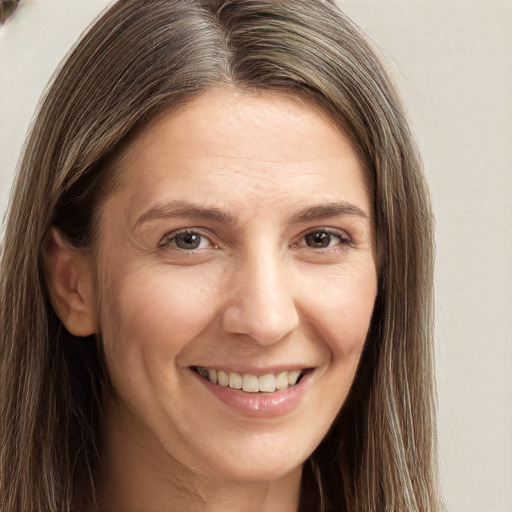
235 380
251 383
282 380
267 383
293 377
212 376
222 378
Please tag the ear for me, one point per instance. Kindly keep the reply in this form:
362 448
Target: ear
70 285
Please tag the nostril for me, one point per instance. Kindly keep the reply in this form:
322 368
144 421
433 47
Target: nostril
265 327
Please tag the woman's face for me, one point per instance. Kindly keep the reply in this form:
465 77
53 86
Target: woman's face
239 251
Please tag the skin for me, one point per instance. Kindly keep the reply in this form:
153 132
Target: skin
253 295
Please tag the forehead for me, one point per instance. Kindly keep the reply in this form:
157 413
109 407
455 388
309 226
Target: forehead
232 145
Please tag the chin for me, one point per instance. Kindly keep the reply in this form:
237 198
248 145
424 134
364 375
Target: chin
263 462
259 472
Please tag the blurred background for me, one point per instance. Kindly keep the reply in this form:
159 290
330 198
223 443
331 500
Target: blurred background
452 62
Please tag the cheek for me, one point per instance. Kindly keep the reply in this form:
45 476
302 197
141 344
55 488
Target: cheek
156 312
343 307
338 306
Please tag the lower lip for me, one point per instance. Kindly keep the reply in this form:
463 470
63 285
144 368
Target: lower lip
260 405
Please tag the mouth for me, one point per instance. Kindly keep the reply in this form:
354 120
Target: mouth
250 383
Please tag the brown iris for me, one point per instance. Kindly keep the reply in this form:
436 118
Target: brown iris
318 239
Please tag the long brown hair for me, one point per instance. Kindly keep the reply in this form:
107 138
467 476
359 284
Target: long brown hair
142 57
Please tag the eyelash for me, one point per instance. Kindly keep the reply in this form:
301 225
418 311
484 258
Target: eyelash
344 240
170 240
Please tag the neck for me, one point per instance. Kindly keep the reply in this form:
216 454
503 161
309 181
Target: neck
141 477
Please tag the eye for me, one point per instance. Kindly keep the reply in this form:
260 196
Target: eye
187 240
325 239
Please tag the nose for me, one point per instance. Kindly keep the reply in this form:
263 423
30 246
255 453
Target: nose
261 303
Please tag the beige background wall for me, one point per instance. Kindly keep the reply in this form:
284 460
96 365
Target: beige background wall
453 62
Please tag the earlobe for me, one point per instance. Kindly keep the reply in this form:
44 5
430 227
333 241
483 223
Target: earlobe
69 280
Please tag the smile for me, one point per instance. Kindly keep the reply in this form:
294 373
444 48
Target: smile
250 383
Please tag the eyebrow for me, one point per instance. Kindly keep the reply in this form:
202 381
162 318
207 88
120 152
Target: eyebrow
331 209
185 209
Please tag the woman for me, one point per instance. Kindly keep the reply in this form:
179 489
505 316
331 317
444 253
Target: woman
216 284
